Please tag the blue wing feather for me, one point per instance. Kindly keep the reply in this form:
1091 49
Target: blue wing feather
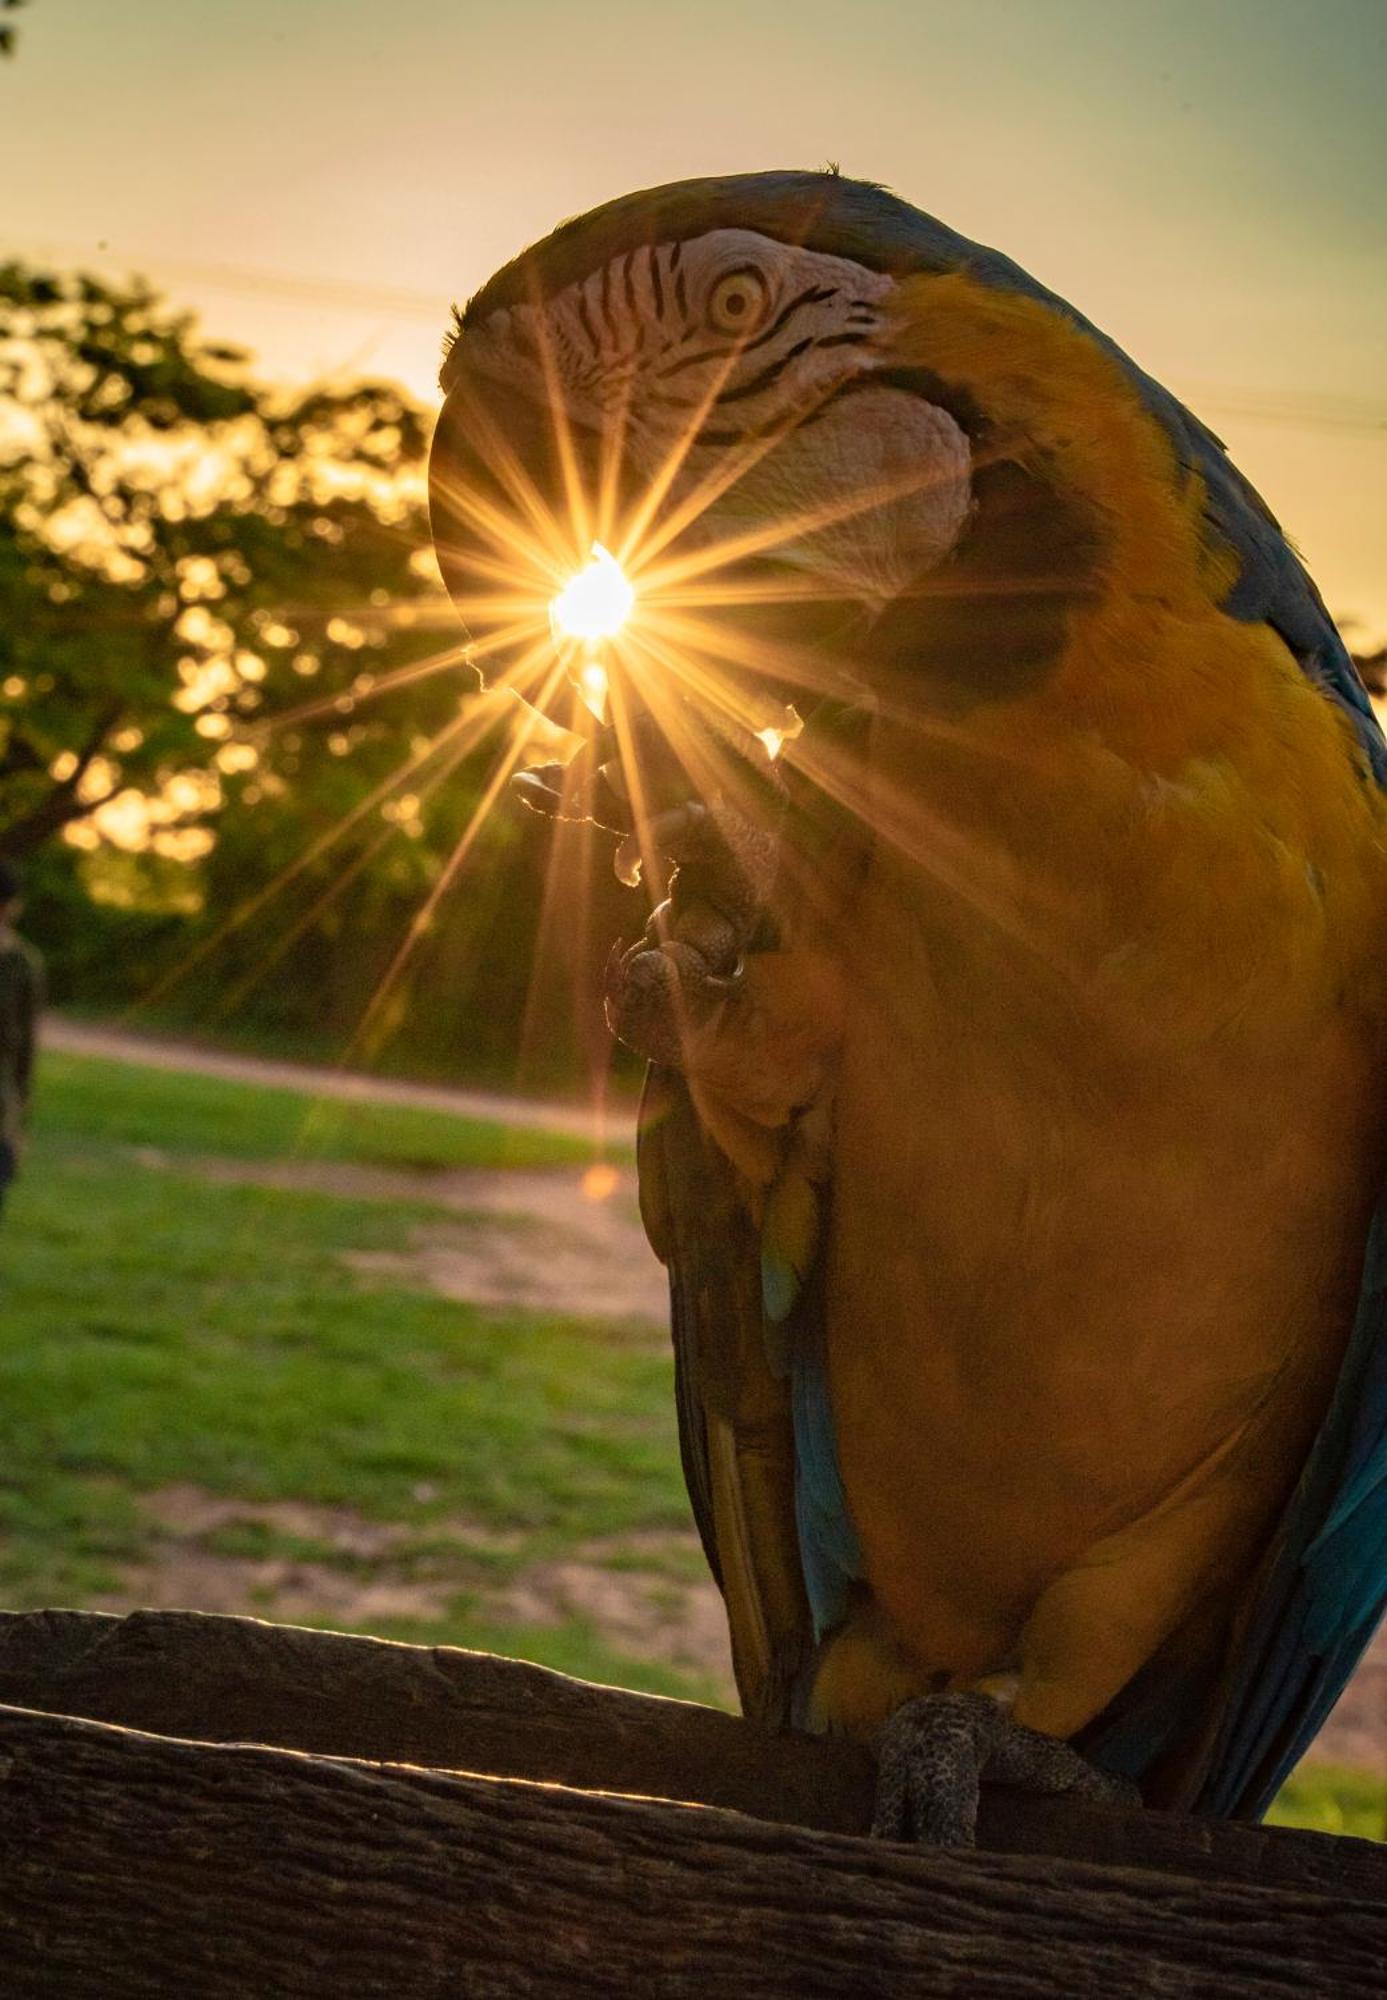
829 1549
1327 1586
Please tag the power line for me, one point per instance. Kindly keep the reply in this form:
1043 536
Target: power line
1318 410
1303 409
350 293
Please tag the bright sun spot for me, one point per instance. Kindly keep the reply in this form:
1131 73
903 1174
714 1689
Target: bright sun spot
600 1182
777 734
596 603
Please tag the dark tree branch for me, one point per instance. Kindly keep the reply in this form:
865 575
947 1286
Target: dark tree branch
20 755
61 805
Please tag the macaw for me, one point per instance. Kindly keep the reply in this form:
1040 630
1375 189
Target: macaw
1016 1123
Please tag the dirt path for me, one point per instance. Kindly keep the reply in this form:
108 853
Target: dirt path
162 1052
1356 1733
330 1564
561 1240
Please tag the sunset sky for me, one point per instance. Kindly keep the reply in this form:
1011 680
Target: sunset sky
322 177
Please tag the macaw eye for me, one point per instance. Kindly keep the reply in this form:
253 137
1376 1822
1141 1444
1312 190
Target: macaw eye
738 301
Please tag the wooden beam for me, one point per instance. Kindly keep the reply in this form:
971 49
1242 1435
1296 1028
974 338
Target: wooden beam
219 1679
139 1865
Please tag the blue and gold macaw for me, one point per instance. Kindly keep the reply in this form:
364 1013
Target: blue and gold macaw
1017 1123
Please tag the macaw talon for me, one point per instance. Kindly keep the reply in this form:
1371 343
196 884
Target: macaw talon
726 982
934 1752
657 996
667 989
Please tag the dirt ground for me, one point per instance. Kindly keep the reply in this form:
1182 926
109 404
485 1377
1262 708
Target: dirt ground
561 1240
1356 1733
364 1574
86 1038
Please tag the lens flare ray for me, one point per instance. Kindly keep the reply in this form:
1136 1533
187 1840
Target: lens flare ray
423 916
469 728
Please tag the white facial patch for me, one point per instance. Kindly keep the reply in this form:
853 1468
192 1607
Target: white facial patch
737 367
874 493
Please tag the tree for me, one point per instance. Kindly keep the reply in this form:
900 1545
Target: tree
160 519
238 733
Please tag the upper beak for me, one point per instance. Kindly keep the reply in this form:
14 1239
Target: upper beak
494 464
502 483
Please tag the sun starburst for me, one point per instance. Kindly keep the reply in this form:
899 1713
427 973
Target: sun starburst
596 603
590 613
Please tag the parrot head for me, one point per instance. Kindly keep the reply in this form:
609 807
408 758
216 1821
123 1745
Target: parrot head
684 416
790 433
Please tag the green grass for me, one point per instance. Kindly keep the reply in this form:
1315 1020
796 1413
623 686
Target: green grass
157 1330
1330 1799
86 1100
216 1336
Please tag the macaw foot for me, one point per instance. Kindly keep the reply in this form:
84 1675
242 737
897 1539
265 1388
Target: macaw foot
933 1753
667 988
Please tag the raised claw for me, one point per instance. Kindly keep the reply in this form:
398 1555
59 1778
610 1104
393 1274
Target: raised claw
692 958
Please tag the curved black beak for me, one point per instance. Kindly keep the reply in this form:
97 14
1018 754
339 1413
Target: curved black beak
494 456
497 462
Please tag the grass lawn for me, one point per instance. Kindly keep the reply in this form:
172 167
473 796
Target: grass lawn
160 1335
87 1101
202 1402
1332 1800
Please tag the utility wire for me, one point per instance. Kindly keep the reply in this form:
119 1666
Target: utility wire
1306 410
352 293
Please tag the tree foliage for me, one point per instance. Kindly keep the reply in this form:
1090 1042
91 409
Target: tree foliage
231 693
159 518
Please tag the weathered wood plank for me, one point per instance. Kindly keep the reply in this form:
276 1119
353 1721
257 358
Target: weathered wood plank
139 1865
223 1679
228 1679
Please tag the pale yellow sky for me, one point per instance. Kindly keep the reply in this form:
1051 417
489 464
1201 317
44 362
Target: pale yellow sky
322 177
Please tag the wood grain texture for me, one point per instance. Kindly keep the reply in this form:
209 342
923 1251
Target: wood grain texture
139 1865
220 1679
